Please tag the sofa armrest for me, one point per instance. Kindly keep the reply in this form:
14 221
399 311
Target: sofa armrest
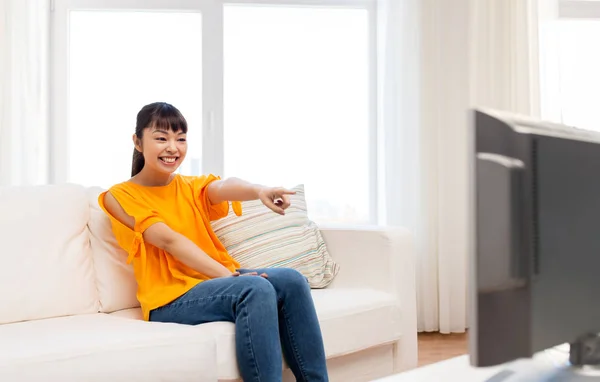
371 257
381 258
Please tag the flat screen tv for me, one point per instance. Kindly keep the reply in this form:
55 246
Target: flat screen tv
535 259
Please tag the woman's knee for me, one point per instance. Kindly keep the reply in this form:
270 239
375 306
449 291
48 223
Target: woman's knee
258 285
293 278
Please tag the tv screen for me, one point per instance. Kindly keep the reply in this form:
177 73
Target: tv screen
535 263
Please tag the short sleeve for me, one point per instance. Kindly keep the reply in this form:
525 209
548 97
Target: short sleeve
213 211
131 240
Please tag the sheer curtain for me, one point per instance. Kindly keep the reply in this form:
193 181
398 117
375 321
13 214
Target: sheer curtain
443 238
398 119
438 59
24 36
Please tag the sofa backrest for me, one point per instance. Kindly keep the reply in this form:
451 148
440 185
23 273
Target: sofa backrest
114 277
46 267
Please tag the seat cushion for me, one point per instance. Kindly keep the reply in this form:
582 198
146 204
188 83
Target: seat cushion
356 319
99 347
351 320
47 269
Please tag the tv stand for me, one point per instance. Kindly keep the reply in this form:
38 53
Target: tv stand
575 362
538 369
585 351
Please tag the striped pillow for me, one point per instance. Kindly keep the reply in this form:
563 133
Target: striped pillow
260 238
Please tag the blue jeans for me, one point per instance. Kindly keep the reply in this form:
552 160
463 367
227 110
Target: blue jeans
270 315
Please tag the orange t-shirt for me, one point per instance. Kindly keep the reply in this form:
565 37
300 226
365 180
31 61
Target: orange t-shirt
183 205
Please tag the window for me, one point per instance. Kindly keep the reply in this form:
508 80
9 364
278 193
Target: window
297 104
274 93
114 72
569 65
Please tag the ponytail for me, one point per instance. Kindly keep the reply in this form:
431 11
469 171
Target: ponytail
138 162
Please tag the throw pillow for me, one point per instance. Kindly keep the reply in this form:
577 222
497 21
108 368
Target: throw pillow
260 238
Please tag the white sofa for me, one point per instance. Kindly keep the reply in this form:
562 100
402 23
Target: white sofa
68 309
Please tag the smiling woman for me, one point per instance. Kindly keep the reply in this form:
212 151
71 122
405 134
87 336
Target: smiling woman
163 221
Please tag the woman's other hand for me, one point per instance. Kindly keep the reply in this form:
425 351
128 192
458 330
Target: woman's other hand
238 274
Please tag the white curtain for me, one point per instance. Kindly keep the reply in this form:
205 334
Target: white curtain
438 59
443 238
24 111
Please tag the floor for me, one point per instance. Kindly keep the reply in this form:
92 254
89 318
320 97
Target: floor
435 347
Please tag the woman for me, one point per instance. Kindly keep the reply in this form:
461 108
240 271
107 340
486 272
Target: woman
184 273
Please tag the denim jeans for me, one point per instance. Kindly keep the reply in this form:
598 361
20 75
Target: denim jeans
271 315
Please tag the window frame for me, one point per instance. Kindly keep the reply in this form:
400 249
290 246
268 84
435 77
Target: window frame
578 9
212 76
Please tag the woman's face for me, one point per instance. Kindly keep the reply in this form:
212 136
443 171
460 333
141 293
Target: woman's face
163 150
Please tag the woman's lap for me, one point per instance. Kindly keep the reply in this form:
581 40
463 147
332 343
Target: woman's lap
215 299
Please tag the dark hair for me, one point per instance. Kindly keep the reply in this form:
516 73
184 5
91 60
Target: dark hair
161 116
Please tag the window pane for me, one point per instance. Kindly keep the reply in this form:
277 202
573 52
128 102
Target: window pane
143 57
296 104
579 76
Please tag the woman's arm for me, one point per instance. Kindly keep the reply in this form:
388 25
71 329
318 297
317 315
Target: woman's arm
162 236
184 250
232 189
235 189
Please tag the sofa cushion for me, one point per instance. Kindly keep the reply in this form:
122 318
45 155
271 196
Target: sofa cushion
351 320
99 347
373 317
47 268
261 238
116 283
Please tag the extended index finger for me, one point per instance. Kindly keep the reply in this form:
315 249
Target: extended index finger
285 191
